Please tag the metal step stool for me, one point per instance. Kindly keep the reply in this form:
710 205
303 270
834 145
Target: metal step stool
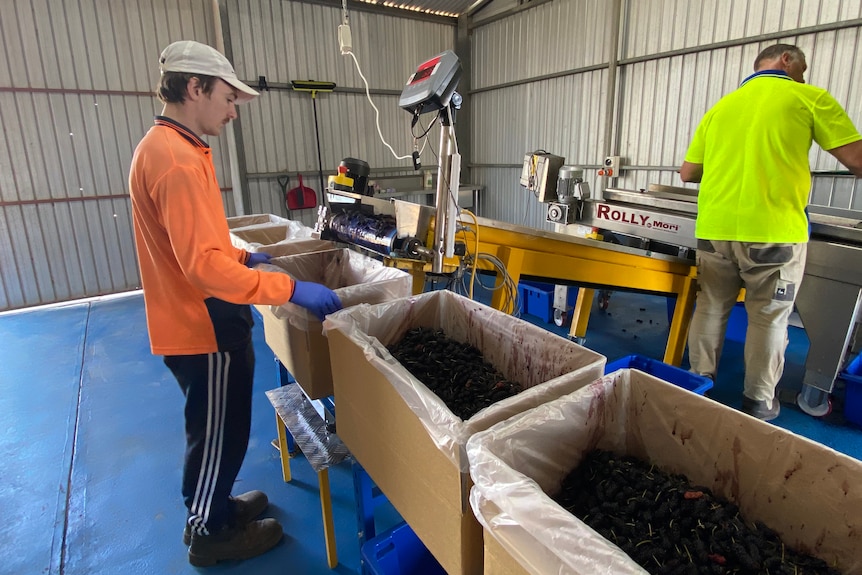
322 449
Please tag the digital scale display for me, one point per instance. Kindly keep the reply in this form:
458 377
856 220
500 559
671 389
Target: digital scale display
424 72
430 87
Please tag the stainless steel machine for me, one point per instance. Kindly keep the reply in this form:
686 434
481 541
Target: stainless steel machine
829 303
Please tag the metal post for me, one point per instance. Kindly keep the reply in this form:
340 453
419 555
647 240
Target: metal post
442 203
611 92
236 177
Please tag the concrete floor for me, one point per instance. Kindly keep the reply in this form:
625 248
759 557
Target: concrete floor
92 442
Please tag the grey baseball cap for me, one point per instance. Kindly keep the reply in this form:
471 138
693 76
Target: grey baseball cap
195 58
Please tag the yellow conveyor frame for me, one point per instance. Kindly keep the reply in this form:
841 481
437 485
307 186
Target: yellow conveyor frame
585 262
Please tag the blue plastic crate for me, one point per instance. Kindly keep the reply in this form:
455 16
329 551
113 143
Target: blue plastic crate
852 376
399 551
698 384
537 299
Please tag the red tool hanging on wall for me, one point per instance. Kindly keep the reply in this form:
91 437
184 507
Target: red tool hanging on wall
301 197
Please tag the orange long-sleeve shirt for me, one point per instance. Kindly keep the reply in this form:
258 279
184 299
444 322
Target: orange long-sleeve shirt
196 286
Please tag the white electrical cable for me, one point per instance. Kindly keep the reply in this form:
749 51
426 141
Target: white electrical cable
376 111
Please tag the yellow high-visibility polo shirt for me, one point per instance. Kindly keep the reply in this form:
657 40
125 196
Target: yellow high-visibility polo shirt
753 145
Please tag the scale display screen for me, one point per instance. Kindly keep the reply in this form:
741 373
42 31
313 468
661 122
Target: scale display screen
424 72
430 87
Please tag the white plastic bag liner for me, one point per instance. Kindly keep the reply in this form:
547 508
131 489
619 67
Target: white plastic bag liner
810 494
253 220
261 235
546 364
251 238
355 279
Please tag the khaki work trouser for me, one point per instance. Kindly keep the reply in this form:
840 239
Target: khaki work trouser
770 274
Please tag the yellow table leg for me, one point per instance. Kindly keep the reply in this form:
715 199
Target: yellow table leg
328 524
581 313
282 448
418 280
680 323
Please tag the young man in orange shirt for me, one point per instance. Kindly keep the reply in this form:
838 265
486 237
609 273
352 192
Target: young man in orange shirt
197 291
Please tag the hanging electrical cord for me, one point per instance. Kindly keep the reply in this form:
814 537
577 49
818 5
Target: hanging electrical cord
423 134
376 111
475 231
510 301
468 262
345 42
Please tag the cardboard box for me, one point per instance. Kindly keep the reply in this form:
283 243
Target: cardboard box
810 494
262 235
405 437
295 247
266 230
254 220
296 336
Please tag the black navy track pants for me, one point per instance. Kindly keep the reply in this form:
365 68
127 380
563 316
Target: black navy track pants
218 390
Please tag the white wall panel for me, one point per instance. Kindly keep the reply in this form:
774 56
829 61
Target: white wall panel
77 80
287 41
279 132
553 37
656 26
95 44
561 115
839 192
75 99
659 99
504 200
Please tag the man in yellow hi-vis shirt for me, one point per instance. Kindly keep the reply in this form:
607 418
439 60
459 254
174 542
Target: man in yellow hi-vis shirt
750 155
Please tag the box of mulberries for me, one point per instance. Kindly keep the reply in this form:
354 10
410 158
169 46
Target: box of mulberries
634 475
414 378
295 335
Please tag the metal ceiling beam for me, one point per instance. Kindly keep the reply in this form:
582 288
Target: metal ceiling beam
510 12
477 6
385 10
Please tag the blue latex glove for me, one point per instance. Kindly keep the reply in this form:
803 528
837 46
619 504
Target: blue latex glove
255 258
316 298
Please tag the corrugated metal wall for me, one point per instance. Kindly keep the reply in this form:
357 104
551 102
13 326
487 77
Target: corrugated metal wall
75 99
513 115
676 59
286 41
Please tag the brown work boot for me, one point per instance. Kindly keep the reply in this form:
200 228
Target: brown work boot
761 409
235 543
246 507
